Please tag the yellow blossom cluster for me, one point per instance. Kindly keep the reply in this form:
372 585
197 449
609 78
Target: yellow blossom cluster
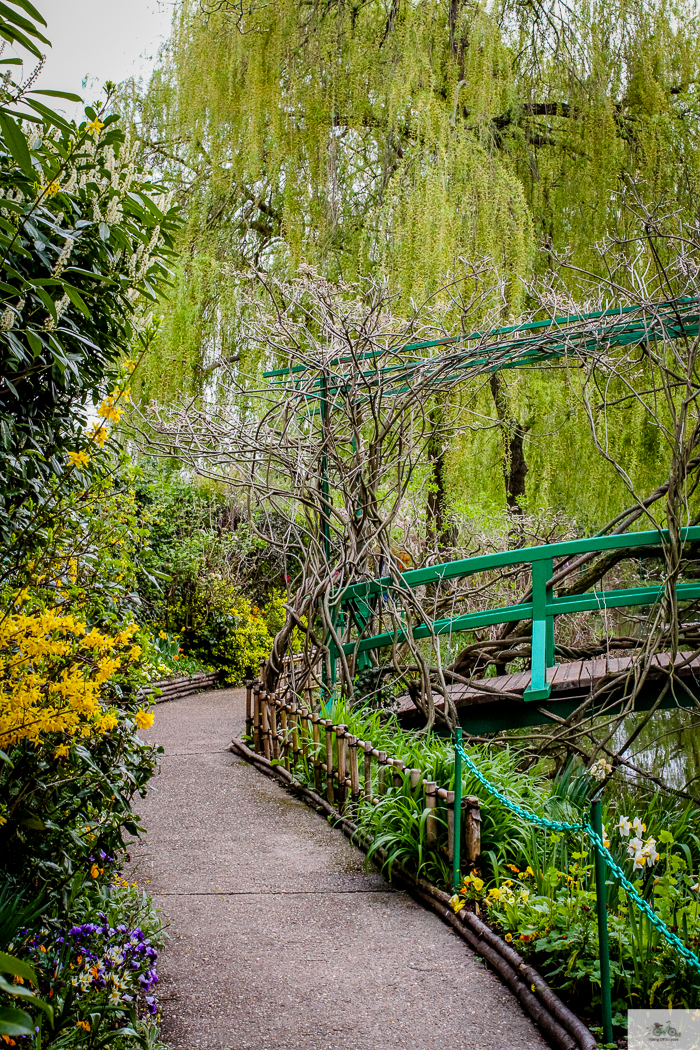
52 670
78 459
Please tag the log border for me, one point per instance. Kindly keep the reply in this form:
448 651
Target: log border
544 1006
180 685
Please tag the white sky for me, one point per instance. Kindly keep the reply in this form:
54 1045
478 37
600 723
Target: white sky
101 40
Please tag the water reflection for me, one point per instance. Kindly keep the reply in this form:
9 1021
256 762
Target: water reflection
667 747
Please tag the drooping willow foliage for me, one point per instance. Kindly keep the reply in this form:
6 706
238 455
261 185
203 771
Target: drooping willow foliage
400 138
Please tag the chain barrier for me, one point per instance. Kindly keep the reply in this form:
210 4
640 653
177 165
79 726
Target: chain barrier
561 825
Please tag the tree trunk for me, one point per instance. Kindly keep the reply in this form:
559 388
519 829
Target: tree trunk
440 534
514 463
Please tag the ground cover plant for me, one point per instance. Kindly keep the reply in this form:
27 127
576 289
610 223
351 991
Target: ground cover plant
537 888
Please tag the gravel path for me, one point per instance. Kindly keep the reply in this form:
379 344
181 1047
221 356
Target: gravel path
278 936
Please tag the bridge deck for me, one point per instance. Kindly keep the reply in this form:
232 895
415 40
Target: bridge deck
494 703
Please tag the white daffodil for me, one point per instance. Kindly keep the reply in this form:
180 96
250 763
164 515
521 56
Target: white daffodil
635 845
624 827
637 827
606 839
639 859
650 852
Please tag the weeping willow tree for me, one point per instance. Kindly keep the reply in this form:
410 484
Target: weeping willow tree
400 138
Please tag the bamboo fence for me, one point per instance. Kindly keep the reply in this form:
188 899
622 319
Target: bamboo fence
286 727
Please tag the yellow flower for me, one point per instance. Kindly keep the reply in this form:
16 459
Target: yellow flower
162 634
78 459
478 884
457 903
83 1024
509 937
143 719
99 434
50 189
528 871
62 751
95 126
94 871
109 410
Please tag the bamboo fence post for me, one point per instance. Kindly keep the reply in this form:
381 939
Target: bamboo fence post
316 736
294 711
257 745
330 789
261 676
248 707
274 738
472 828
368 770
303 722
284 741
430 787
341 735
450 825
415 775
399 767
381 772
354 768
265 707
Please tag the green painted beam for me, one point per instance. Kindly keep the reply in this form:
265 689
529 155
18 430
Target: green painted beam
673 306
468 566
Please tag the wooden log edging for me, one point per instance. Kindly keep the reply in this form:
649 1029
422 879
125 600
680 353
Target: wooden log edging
181 685
556 1020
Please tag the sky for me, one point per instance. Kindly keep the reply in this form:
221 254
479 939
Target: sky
101 40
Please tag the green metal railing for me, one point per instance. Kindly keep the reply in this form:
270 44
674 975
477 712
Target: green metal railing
603 860
541 609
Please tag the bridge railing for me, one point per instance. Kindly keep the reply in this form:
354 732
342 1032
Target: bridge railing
542 609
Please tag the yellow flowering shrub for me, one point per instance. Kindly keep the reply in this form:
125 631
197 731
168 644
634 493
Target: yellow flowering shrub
52 671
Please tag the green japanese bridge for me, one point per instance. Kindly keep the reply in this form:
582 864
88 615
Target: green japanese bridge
519 699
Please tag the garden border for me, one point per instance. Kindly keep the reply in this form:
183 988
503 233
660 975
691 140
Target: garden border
181 685
555 1019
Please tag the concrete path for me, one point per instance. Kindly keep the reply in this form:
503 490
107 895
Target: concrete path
278 936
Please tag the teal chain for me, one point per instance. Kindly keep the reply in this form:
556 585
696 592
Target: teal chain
562 825
553 825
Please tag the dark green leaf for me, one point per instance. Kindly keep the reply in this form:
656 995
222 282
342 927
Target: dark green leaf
16 143
15 1022
18 968
12 35
30 9
57 94
77 299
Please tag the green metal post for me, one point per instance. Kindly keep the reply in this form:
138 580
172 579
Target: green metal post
602 909
542 631
325 487
327 688
457 822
